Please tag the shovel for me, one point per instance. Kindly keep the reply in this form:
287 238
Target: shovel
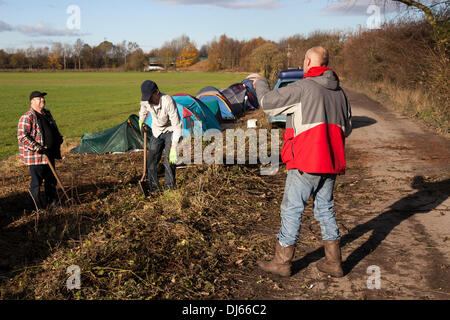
142 182
56 176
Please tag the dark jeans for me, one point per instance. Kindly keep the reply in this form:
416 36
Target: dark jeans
39 173
157 145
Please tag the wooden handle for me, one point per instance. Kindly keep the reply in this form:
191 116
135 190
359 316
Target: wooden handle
56 176
145 156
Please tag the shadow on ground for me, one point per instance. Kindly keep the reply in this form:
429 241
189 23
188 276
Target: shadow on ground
427 197
30 242
362 121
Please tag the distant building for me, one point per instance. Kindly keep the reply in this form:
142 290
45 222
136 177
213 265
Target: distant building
153 68
154 65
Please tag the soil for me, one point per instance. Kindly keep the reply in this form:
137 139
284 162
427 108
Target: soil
392 207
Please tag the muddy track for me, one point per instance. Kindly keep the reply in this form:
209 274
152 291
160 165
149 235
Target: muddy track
393 211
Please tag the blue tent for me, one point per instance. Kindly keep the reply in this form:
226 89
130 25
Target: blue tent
199 109
190 124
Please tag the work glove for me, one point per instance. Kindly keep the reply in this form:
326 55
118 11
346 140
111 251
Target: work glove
43 150
145 127
173 156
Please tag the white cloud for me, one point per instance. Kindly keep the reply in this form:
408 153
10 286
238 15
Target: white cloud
39 30
5 27
43 30
359 7
227 4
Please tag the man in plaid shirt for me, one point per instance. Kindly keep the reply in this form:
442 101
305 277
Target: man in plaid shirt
38 135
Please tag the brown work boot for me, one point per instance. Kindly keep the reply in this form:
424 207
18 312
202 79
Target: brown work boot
281 262
331 264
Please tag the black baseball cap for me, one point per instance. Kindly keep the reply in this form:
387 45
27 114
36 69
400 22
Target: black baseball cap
35 94
148 87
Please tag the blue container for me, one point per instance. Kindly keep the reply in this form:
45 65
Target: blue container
291 74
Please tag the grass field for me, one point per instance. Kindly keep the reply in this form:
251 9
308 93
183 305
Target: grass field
90 101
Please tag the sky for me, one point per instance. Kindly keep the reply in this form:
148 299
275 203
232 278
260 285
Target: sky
150 23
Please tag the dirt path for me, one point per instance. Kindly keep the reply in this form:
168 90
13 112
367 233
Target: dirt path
393 210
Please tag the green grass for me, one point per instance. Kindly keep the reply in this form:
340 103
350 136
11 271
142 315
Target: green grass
90 101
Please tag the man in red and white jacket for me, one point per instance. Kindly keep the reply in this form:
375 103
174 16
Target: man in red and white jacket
318 121
37 135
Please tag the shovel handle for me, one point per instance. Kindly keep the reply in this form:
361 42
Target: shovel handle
56 176
145 156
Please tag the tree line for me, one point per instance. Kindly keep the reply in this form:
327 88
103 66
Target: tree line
77 56
423 43
224 53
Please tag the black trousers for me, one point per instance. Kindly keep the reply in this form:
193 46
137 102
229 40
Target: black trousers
39 173
157 145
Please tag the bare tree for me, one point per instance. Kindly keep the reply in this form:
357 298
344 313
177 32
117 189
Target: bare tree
77 48
67 53
179 44
437 15
132 46
122 50
428 7
428 10
31 55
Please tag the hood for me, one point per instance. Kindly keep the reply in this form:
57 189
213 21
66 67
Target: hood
328 80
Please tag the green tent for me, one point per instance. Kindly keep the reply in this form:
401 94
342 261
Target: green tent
122 138
213 106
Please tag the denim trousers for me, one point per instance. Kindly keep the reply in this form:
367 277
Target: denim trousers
157 145
300 186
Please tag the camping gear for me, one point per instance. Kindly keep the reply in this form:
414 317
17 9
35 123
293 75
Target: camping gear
191 125
244 95
213 106
236 103
142 182
119 139
252 123
213 94
200 111
249 82
56 176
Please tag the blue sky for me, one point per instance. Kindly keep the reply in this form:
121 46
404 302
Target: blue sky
152 22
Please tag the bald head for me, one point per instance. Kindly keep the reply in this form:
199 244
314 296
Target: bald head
315 57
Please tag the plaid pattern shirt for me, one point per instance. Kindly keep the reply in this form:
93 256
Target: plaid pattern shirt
30 139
